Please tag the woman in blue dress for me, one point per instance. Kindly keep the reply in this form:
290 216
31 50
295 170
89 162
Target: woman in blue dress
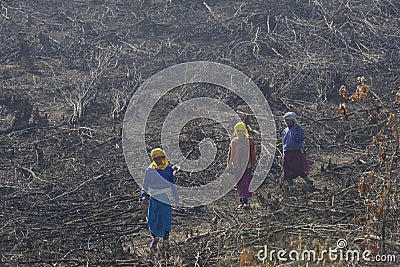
159 186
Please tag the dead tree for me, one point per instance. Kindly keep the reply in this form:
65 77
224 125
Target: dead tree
80 102
85 91
122 95
25 59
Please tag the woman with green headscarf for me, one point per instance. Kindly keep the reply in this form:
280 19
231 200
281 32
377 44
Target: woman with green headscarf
242 158
159 183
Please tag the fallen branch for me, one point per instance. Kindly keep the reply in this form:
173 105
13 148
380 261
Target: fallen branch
79 186
32 173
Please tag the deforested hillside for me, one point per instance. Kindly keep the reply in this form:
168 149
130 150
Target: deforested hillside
69 70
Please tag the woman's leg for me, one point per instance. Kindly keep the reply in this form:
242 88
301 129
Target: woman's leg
289 181
166 235
166 240
243 185
154 242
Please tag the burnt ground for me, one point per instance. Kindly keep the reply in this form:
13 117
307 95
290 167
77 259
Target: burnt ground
68 69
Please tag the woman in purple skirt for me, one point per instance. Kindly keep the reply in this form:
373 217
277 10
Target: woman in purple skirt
242 157
294 157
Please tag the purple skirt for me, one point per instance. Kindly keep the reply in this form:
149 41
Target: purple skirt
295 164
243 185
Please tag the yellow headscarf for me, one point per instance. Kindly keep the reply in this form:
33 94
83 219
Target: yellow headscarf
158 152
241 126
